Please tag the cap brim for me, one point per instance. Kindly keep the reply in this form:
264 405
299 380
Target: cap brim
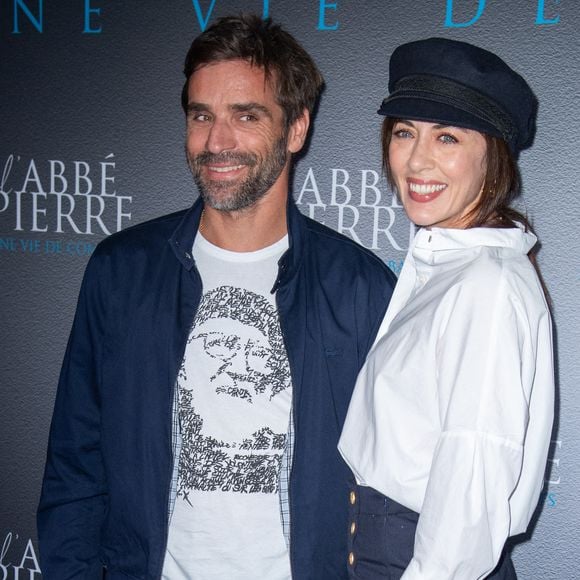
421 109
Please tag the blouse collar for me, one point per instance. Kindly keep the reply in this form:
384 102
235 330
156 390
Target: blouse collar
441 239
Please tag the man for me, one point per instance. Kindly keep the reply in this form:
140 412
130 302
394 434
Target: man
214 352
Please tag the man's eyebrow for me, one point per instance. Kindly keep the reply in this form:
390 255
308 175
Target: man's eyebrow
248 107
194 107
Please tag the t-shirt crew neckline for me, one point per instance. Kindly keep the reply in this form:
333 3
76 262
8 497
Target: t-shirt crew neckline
230 256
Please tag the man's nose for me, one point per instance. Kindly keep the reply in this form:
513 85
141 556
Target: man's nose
221 137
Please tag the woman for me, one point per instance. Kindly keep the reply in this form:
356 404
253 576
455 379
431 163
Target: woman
448 429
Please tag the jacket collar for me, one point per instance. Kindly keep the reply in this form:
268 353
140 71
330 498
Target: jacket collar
289 263
184 235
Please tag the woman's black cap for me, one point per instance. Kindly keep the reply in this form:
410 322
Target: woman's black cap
456 83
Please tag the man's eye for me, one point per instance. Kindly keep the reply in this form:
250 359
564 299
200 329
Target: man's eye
248 117
200 117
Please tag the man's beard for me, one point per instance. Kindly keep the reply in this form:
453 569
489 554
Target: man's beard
262 175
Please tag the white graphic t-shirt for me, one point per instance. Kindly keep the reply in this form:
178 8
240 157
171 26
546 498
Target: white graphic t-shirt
235 395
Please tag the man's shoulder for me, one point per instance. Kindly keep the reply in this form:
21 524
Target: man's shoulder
151 234
122 255
331 244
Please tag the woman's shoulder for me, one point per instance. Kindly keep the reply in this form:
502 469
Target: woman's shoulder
497 275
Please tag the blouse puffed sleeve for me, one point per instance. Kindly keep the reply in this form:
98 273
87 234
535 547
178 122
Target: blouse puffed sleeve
487 355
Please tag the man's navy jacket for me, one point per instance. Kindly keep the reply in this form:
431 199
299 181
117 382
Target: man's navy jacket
106 488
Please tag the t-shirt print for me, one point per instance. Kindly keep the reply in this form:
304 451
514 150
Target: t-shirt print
232 406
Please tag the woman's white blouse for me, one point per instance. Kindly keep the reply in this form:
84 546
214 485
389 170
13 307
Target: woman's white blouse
452 412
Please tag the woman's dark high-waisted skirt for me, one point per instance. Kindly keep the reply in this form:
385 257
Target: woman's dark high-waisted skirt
381 537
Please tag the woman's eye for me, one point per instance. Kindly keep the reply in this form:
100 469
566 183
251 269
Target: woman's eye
447 138
402 133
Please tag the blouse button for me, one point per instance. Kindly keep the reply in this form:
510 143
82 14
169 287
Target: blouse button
352 498
351 559
352 528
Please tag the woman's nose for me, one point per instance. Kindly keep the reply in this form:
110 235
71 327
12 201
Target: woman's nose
420 156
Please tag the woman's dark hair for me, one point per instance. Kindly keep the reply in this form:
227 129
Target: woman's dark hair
296 80
502 183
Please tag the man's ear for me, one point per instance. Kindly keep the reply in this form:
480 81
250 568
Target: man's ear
298 132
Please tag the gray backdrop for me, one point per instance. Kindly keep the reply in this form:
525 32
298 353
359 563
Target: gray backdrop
92 141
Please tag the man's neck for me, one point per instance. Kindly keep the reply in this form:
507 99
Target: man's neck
247 230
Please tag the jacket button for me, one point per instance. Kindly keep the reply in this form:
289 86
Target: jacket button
352 498
351 559
352 528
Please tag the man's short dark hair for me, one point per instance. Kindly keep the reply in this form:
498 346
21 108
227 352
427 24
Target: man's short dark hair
296 80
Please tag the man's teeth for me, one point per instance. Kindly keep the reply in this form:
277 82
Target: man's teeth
225 169
424 189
